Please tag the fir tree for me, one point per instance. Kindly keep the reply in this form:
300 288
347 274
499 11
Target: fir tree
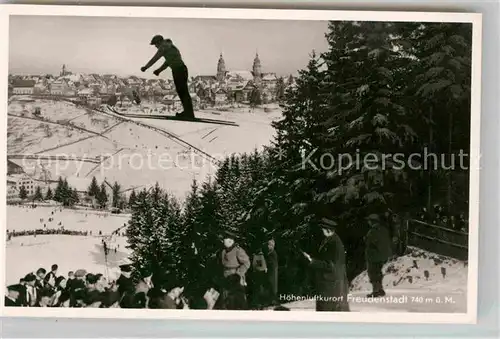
116 194
131 199
93 190
59 192
74 198
153 233
49 195
38 194
66 193
102 197
191 239
280 89
441 69
23 193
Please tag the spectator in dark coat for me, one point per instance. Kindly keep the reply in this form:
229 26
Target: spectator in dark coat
235 298
50 278
272 270
23 294
260 285
329 271
124 281
71 278
378 250
31 298
125 286
12 299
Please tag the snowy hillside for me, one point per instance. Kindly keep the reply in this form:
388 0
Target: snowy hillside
134 152
420 269
443 289
25 135
21 218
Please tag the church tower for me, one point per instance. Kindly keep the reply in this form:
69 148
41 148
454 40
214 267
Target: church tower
221 69
257 68
63 71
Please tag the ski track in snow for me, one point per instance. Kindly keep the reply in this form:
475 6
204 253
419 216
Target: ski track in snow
140 144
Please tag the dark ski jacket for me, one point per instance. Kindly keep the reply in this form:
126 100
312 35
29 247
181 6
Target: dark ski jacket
173 58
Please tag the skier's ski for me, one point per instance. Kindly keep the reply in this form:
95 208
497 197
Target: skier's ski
176 118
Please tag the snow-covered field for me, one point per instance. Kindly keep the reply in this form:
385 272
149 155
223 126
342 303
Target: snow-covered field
21 218
28 253
137 148
25 254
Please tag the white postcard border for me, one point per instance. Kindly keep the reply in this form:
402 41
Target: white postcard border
261 14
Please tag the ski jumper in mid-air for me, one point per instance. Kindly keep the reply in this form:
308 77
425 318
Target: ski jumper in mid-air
173 59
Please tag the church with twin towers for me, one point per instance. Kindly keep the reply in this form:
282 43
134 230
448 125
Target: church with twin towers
256 74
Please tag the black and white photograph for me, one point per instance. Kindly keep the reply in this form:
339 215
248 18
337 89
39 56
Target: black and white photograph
172 163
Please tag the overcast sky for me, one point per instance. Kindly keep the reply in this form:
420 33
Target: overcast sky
41 44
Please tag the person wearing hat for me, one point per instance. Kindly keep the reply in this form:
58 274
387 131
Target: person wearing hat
126 287
173 59
14 292
234 258
71 278
124 281
378 249
80 274
235 261
330 276
31 298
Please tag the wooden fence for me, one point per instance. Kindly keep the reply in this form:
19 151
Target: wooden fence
438 239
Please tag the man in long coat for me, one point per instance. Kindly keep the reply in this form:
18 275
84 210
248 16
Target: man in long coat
330 274
378 250
272 270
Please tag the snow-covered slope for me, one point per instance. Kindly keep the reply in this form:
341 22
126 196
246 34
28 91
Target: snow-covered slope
21 218
419 269
139 152
443 289
27 254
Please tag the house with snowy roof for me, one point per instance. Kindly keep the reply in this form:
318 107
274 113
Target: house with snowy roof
23 87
